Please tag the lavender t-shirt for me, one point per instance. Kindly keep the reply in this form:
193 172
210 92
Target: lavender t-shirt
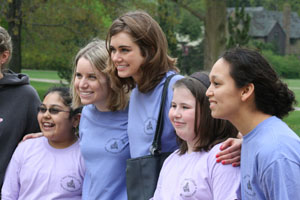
196 175
39 171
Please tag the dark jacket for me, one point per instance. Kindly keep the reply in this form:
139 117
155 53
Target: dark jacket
18 114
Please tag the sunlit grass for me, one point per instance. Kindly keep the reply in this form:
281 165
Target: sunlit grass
42 87
44 74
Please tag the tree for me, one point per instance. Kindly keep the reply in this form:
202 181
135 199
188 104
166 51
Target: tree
215 28
14 18
166 17
238 27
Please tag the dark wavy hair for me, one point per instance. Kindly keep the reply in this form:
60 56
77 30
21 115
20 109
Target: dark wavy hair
272 96
64 93
150 38
208 130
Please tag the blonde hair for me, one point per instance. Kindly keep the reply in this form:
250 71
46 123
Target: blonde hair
96 53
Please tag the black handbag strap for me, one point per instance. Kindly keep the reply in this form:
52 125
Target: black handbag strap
156 144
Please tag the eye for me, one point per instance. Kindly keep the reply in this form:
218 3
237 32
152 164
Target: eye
125 50
185 107
215 83
173 105
42 109
92 77
78 75
54 110
112 49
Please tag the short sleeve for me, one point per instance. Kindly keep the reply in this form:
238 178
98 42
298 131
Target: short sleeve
281 180
224 179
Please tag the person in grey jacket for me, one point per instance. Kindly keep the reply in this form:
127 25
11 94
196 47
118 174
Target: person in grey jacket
18 105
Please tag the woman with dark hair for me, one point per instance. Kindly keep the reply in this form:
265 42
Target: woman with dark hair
191 172
48 167
246 91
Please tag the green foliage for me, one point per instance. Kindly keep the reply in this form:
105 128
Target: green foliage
57 29
286 66
294 84
42 87
293 121
193 61
238 27
166 17
190 26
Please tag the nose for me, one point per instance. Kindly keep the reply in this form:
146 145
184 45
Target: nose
46 114
209 91
177 113
83 83
115 56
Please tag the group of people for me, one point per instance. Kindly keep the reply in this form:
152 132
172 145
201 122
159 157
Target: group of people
118 84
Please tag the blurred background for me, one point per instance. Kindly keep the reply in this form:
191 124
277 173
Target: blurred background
48 33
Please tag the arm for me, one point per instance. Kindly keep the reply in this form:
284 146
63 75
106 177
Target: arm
32 102
32 135
11 185
230 152
281 180
225 180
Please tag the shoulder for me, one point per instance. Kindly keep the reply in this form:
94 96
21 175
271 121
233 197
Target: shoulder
30 144
172 157
28 92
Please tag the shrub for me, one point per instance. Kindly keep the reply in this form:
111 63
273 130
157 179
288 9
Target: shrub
286 66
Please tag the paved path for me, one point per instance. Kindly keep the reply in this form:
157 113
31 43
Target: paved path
48 80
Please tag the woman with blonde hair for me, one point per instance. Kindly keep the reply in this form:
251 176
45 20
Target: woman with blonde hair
103 124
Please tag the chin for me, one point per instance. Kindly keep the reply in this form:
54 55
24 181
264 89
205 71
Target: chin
215 115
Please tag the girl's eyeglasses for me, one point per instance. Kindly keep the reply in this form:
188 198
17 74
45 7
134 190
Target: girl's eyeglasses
52 111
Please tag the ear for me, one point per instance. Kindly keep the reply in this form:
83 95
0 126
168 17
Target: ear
76 120
247 92
4 57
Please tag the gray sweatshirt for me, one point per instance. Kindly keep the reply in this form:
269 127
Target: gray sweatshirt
18 114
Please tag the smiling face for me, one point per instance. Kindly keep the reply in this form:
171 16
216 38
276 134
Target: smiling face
182 115
224 96
56 127
126 56
91 85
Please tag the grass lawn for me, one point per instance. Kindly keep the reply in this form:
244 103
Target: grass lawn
42 87
45 74
294 84
293 120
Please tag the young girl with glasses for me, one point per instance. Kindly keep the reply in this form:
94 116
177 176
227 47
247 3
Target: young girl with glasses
48 167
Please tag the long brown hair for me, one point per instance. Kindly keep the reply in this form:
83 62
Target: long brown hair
208 131
147 34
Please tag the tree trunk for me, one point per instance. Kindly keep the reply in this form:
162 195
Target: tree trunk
215 31
14 17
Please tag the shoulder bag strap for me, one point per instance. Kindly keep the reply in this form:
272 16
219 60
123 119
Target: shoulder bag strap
156 144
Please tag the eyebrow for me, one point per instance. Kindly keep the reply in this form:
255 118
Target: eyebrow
122 46
52 105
